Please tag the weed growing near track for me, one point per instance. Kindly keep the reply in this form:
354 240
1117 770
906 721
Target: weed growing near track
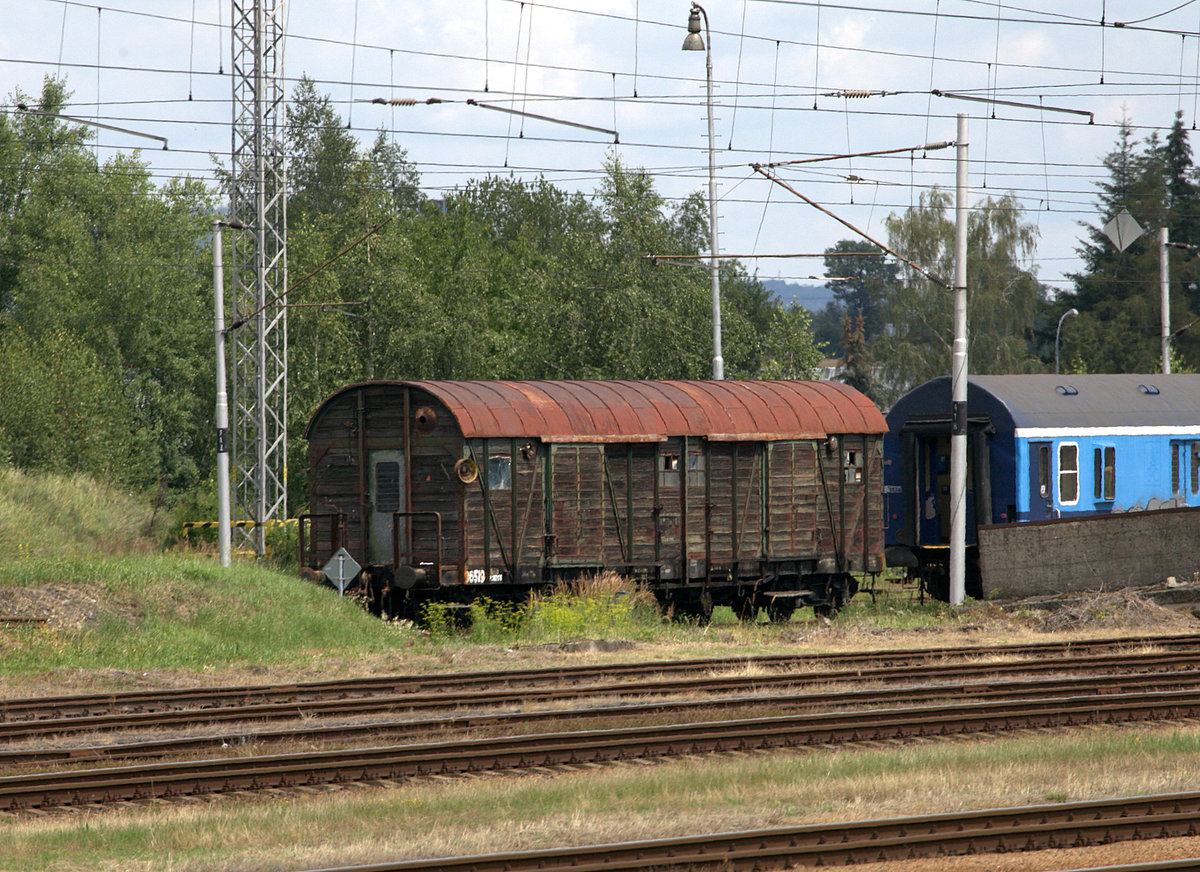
605 606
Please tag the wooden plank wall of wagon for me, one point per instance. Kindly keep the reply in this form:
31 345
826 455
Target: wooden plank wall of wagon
720 491
795 504
333 449
873 528
618 544
735 487
528 475
694 468
828 487
748 503
435 487
631 466
577 480
515 515
487 511
858 517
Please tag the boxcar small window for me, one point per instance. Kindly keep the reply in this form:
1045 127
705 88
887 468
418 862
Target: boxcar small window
500 473
387 486
1105 473
1044 471
696 467
1068 473
852 461
668 470
1196 467
1176 472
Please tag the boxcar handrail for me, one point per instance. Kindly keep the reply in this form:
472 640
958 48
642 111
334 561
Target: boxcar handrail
437 566
337 533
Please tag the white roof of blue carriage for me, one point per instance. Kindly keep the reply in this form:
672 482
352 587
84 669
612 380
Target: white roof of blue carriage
1042 404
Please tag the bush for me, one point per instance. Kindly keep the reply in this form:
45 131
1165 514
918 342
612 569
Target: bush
600 607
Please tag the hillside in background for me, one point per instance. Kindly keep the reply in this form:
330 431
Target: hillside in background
811 296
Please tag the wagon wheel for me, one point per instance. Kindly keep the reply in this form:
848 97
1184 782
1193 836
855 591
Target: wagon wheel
746 608
697 607
824 610
779 611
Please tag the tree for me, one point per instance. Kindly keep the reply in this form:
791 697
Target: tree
97 253
1004 296
857 369
1117 293
864 281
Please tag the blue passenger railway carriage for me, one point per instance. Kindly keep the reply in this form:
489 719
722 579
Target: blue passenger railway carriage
1038 447
752 494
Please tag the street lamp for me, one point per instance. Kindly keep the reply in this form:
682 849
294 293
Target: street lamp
1058 332
224 520
695 42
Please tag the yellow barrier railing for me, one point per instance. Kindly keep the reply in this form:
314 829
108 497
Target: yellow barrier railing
241 525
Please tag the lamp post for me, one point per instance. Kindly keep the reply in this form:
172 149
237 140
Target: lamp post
224 520
695 42
1058 332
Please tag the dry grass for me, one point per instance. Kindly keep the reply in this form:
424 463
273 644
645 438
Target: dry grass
480 815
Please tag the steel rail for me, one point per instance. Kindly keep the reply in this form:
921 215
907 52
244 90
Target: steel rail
1183 663
1025 828
25 708
166 779
409 730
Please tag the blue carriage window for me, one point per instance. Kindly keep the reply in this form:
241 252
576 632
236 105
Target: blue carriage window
1177 450
1068 473
500 473
1044 471
1196 467
1105 473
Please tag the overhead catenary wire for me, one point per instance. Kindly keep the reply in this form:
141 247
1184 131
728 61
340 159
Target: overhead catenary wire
433 101
929 274
745 102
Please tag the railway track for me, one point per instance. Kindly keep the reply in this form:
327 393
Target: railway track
1184 663
78 705
835 844
548 750
410 730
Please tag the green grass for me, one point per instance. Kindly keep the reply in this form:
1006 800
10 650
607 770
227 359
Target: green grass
47 515
181 612
88 556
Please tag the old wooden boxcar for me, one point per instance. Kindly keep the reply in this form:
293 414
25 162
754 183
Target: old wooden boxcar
745 493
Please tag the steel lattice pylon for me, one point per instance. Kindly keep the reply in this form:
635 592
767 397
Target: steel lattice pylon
258 200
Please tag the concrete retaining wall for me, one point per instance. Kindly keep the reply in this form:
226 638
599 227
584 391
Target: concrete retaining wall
1103 552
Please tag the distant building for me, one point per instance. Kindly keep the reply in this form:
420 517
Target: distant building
830 368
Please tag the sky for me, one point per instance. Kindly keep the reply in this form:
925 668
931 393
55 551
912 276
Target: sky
792 81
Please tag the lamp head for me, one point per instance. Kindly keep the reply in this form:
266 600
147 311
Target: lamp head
693 41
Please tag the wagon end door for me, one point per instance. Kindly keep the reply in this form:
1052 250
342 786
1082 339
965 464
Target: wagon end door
385 496
933 489
1041 482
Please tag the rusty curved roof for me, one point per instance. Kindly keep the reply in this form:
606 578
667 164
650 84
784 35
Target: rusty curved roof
649 411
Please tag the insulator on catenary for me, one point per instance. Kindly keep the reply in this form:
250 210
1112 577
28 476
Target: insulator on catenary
404 101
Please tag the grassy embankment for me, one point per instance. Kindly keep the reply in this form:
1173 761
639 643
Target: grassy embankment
91 561
124 611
